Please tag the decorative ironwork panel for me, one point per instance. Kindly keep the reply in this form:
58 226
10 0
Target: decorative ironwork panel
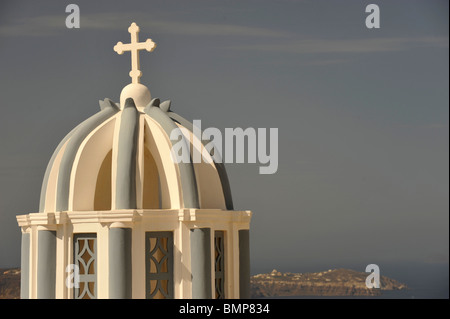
85 258
219 264
159 265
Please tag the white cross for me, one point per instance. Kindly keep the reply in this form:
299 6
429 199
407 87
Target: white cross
135 46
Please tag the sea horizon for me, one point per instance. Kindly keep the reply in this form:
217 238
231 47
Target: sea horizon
424 280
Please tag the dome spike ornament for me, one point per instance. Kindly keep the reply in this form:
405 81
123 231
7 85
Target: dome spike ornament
134 47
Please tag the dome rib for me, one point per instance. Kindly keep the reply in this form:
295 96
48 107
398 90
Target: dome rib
50 166
220 167
126 157
73 144
187 174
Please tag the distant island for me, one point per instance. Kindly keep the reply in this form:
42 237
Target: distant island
10 283
333 282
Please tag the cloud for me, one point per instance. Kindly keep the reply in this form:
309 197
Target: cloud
113 21
54 24
49 25
37 26
366 45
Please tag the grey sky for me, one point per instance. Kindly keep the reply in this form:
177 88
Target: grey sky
362 114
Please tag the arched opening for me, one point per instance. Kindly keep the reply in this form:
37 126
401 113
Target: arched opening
158 143
86 179
151 191
102 198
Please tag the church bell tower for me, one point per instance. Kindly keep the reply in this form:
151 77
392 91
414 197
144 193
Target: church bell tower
119 218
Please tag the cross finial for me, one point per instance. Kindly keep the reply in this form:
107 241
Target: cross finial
135 46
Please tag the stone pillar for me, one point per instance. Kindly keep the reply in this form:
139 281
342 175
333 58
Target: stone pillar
201 263
25 266
244 264
46 264
119 252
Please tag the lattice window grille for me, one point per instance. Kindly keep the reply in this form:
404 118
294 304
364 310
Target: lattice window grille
159 265
85 257
219 264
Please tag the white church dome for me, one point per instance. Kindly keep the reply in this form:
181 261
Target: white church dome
120 158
